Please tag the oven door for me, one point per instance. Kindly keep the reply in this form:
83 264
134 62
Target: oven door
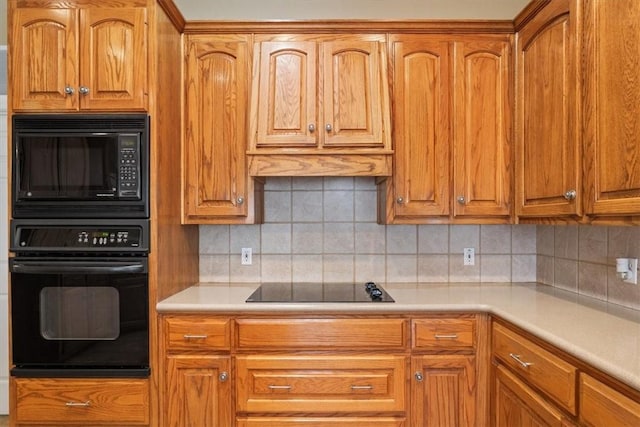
80 316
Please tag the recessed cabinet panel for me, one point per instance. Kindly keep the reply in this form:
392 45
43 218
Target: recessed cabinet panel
612 107
548 149
421 91
482 131
287 112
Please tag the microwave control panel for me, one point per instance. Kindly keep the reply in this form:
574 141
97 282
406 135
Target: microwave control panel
129 159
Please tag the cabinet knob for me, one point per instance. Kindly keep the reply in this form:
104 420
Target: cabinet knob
68 90
328 127
418 376
461 200
312 128
83 90
570 195
223 376
240 200
400 200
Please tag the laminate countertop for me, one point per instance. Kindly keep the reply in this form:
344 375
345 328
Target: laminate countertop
604 335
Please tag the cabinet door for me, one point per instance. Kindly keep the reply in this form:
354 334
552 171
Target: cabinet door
353 94
600 405
421 92
198 392
549 122
44 59
482 131
113 59
612 107
216 182
518 405
287 100
444 391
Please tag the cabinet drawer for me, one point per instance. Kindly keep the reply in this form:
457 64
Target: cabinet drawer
354 384
321 422
197 333
321 333
444 333
539 367
600 405
82 402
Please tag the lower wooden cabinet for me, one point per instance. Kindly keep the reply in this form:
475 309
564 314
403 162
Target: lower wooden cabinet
443 391
516 404
600 405
198 391
66 401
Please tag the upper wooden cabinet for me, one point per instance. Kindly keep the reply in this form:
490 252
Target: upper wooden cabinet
79 59
612 107
216 186
548 131
316 96
452 128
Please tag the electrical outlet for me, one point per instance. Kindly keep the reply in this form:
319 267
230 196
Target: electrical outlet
469 255
246 256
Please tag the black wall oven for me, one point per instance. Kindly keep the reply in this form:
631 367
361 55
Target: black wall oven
79 298
80 166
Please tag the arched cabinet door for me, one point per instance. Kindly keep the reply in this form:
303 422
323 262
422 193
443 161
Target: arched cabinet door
548 150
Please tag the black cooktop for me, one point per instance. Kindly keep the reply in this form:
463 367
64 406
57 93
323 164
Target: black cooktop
320 292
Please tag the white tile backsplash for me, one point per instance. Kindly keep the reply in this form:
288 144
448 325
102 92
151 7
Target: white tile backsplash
325 229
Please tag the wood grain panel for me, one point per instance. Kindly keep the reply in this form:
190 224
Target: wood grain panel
601 405
320 422
82 401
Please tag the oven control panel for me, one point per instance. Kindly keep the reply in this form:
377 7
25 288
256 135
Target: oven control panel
79 237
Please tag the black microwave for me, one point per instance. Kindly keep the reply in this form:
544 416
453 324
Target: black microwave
80 166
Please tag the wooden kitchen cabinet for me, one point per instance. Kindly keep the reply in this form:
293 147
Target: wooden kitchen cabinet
601 405
92 58
217 187
452 127
447 371
549 121
86 401
611 107
196 375
317 96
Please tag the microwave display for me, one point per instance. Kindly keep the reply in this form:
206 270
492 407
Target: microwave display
83 166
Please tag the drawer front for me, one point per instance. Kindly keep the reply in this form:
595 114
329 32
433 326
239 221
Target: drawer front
600 405
321 333
321 422
539 367
354 384
444 333
82 402
197 333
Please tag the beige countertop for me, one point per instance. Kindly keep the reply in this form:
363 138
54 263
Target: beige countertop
605 335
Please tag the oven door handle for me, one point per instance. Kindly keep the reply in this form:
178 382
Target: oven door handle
71 267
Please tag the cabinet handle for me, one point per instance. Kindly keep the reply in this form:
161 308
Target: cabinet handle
83 90
79 404
328 127
195 337
418 376
240 200
361 387
223 376
400 200
461 200
279 387
570 195
312 128
68 90
521 362
446 336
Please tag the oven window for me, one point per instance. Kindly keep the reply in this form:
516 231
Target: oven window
79 313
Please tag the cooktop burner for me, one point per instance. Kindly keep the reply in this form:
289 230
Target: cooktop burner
320 292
